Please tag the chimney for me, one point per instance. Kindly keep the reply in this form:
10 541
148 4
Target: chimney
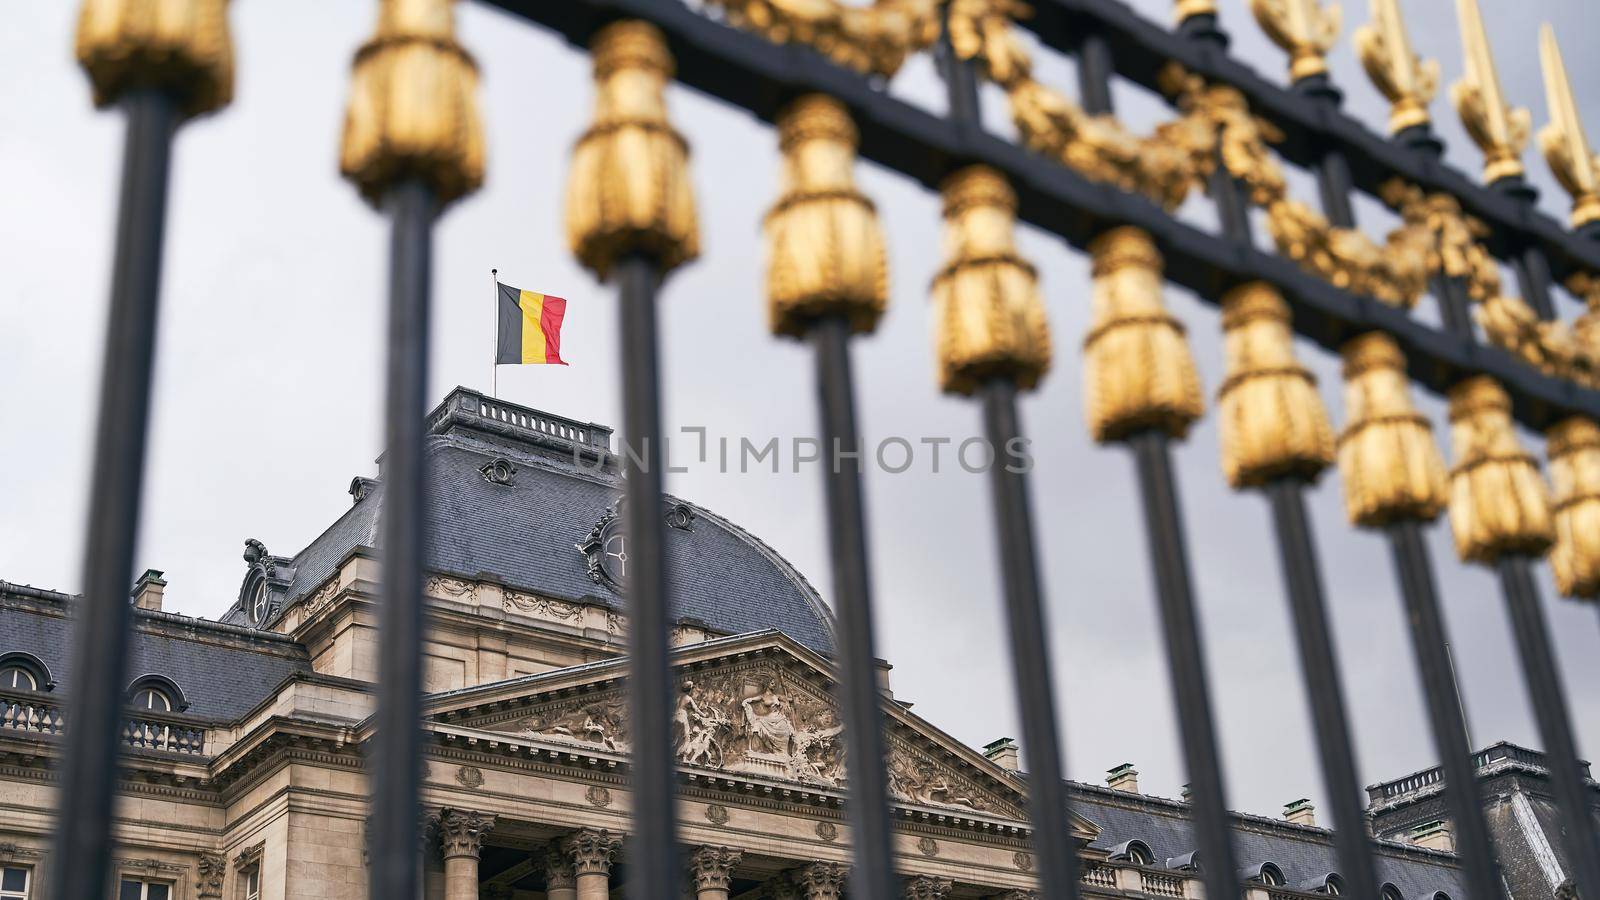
1188 793
1300 812
148 589
1123 778
1434 836
1004 753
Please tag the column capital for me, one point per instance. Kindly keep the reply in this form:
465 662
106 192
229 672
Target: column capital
591 850
820 880
1017 895
712 867
927 887
558 871
461 831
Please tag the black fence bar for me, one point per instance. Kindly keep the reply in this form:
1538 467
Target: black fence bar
1527 259
1320 666
1555 727
1048 804
653 851
88 776
397 742
1414 569
1191 694
872 873
752 73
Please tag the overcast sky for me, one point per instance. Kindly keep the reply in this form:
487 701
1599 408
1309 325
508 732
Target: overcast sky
267 392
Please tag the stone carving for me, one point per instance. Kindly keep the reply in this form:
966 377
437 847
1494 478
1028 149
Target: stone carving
9 851
498 471
928 846
820 880
717 814
827 831
455 588
598 796
712 867
323 595
591 850
1022 860
558 873
598 723
250 856
680 516
920 781
542 607
927 887
209 872
469 776
461 831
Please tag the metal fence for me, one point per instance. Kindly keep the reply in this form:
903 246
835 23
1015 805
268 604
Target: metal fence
413 143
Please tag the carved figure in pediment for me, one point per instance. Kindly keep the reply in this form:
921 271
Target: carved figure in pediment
767 718
597 723
697 729
919 781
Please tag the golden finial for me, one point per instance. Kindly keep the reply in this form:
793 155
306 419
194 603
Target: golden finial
1573 445
1408 81
1498 502
413 111
1303 28
825 252
989 321
1188 9
1272 421
628 190
1391 467
181 47
1566 147
1499 130
1139 373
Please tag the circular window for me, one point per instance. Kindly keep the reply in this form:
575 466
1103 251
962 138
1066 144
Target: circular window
614 552
260 603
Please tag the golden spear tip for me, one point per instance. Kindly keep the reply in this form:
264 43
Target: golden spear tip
1499 130
1565 145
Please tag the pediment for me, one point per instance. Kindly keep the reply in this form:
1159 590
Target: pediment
756 706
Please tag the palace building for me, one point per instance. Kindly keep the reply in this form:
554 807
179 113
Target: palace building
246 735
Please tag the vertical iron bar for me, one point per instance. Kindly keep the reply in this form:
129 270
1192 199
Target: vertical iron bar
872 874
1191 692
1333 183
960 82
88 780
1094 73
397 747
654 850
1533 278
1455 307
1056 857
1555 728
1233 209
1320 665
1445 716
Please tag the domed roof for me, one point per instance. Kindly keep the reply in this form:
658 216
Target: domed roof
530 499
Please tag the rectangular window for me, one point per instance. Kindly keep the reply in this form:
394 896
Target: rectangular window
137 889
252 885
15 883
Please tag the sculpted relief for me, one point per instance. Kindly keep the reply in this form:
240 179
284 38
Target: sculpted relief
756 720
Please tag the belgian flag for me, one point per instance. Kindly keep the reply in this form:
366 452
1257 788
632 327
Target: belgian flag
530 327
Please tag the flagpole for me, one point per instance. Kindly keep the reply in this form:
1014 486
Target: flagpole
494 354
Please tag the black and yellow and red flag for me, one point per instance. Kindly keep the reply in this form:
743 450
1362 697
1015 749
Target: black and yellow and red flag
530 327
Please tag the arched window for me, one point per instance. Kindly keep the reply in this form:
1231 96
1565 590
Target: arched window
23 672
1390 892
1333 887
151 697
154 693
1135 851
1271 875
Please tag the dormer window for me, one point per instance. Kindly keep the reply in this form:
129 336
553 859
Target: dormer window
16 678
260 603
23 672
156 693
152 698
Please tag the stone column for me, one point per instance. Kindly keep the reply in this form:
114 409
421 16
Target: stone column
560 882
927 887
820 880
591 851
712 869
461 834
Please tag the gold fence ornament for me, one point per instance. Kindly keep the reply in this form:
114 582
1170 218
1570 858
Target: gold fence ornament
1498 129
181 47
872 38
1388 460
1302 28
1499 504
1139 373
1451 238
628 191
1183 10
413 110
1271 420
1573 446
1407 81
989 321
825 251
1565 145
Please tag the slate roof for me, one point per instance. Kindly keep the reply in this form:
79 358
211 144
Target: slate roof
222 670
1303 853
525 533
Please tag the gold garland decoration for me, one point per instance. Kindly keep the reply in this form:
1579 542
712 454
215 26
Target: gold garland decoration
873 40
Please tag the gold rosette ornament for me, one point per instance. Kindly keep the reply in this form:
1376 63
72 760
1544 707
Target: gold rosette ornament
413 111
1498 503
988 319
1138 371
1272 421
180 47
1573 445
825 252
628 191
1391 466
